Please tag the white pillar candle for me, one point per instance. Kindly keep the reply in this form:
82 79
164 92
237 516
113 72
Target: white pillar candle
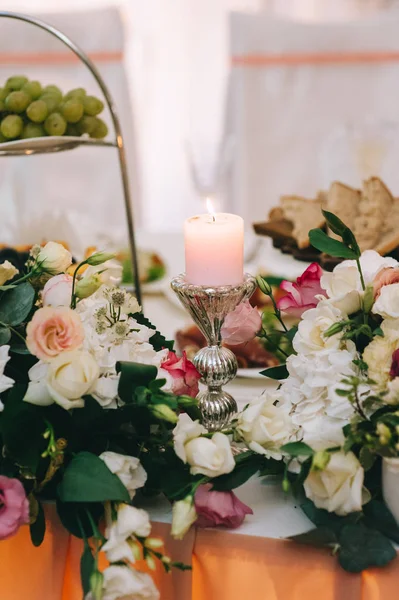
214 247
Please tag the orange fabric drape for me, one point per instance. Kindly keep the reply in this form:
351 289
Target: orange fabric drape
313 58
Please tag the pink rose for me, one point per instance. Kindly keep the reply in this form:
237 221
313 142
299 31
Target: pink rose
54 330
394 371
184 375
219 508
58 291
14 507
387 276
242 324
301 295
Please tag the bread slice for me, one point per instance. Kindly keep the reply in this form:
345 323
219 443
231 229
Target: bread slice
343 201
304 214
374 220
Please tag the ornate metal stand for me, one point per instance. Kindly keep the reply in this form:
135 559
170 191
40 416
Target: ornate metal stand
65 143
217 365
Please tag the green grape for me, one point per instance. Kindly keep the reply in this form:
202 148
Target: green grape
72 111
3 138
55 124
2 106
4 93
11 126
33 89
51 101
87 124
37 111
32 130
16 82
17 101
92 105
100 130
73 130
75 93
54 90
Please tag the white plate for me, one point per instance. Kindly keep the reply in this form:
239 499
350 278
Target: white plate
252 373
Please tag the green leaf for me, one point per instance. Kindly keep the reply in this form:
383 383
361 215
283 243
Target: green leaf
16 304
243 471
361 548
320 537
38 528
133 375
157 340
88 479
366 458
297 449
292 333
280 372
334 222
5 335
87 564
321 241
73 516
321 517
378 516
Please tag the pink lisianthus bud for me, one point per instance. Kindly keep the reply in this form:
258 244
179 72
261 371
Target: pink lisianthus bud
14 507
219 508
184 375
58 291
394 371
242 324
302 295
387 276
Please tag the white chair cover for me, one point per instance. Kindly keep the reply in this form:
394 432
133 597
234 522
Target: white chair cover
74 196
299 94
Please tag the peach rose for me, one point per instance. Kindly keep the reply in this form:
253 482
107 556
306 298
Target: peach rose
387 276
54 330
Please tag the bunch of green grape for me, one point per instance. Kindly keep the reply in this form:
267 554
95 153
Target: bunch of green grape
28 110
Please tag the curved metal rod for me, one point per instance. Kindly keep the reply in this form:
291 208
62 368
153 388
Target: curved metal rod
116 124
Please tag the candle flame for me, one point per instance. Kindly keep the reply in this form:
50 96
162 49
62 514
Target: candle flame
210 208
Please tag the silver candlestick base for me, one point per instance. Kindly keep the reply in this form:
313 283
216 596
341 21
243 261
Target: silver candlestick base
208 306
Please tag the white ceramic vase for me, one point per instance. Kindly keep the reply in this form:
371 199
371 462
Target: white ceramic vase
390 485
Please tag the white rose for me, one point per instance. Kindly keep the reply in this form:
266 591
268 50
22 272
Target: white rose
183 516
120 534
315 322
338 487
185 430
378 354
387 303
7 272
128 468
58 291
392 396
210 457
265 427
343 285
64 380
5 382
123 583
54 258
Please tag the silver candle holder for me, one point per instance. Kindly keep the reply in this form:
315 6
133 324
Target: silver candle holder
209 306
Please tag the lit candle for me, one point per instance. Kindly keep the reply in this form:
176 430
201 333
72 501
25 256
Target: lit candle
214 245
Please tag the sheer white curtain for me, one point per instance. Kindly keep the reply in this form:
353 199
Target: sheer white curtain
177 62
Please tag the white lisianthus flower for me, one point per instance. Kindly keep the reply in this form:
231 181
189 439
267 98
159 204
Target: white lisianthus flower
185 430
109 272
64 380
54 258
130 522
264 426
378 354
106 390
128 468
7 271
338 487
387 303
58 291
315 322
183 516
5 382
343 285
124 583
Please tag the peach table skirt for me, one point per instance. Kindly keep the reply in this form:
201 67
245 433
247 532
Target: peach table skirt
226 566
